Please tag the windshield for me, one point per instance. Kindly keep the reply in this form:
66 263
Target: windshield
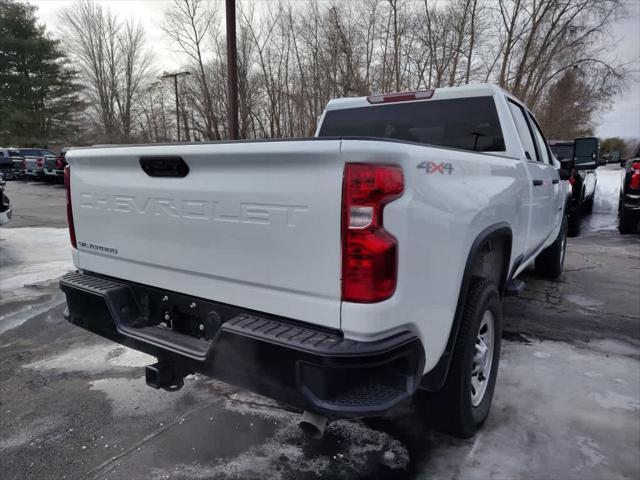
562 152
464 123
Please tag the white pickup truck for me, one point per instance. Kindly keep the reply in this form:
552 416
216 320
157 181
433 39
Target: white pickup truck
340 274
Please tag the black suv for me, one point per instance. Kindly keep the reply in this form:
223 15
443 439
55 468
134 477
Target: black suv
580 156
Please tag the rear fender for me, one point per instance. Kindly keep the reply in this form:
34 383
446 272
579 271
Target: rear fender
434 379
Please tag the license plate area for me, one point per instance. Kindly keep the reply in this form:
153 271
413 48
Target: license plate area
177 313
172 318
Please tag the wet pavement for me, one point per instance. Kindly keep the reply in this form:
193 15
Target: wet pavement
567 402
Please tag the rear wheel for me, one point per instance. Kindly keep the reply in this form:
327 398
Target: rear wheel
8 175
627 222
588 206
463 404
550 262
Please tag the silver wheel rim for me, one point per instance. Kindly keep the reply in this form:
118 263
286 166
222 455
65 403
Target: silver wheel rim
563 249
482 358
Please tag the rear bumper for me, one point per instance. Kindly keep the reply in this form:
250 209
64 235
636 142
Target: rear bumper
290 361
631 202
53 173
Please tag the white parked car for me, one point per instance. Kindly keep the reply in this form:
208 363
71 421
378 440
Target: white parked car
340 274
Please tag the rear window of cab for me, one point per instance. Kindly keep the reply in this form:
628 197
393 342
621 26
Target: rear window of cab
463 123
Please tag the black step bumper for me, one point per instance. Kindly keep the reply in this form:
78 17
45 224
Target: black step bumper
290 361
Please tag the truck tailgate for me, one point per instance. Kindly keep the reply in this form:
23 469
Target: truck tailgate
253 224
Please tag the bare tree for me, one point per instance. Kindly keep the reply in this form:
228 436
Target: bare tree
113 60
191 24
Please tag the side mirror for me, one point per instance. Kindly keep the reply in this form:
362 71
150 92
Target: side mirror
567 164
586 153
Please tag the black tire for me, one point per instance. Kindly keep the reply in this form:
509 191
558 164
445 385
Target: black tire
574 220
627 222
550 262
451 409
588 206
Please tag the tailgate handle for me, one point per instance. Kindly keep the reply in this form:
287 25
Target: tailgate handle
164 166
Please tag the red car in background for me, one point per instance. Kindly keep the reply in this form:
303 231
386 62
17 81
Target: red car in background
54 167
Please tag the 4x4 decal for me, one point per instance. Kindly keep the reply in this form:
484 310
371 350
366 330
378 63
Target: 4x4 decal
433 167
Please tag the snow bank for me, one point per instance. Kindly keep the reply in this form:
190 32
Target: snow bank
32 255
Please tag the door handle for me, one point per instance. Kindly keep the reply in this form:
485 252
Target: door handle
555 180
164 166
538 183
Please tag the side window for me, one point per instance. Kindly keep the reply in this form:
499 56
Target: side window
542 143
523 131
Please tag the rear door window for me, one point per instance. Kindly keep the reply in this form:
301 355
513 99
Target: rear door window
464 123
524 131
542 143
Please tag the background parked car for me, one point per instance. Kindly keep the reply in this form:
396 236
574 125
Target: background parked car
34 161
54 167
629 204
581 157
8 157
5 204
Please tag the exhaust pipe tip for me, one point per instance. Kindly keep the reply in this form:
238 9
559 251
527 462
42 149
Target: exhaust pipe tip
313 424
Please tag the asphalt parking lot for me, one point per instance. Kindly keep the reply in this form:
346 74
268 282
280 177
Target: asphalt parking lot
567 402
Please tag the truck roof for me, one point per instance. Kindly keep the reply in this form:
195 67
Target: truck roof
463 91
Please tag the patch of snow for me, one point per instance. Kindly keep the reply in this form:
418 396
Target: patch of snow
591 451
32 255
129 397
96 358
361 440
538 408
584 302
611 399
248 403
283 455
14 319
541 354
615 347
274 459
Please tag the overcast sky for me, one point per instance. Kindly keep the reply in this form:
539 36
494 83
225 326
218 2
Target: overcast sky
622 120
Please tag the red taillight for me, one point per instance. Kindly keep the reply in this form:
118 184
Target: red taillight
23 163
400 97
59 164
634 181
67 187
369 252
39 162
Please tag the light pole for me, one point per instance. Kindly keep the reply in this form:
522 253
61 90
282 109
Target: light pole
175 85
232 69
